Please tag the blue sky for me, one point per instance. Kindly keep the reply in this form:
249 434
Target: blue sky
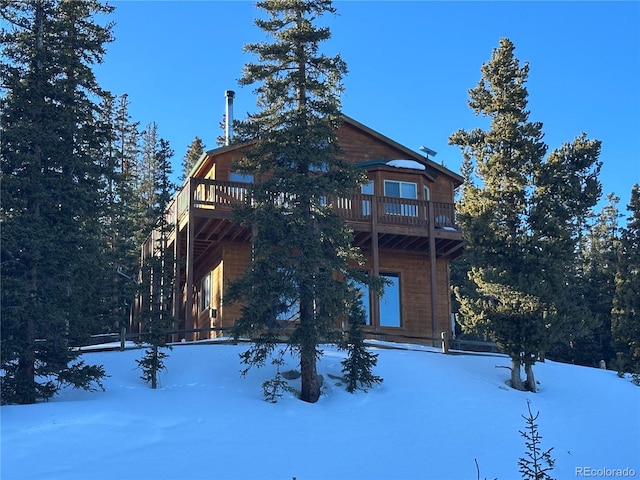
410 64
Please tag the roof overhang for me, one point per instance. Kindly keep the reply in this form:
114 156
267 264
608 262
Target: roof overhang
457 179
432 168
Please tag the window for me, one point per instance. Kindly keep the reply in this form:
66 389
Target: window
205 293
365 298
390 301
397 189
241 177
288 311
367 189
427 194
239 193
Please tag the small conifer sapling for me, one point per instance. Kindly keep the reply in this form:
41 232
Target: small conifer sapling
358 365
536 464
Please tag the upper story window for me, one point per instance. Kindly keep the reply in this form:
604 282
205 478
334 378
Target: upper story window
241 177
397 189
367 188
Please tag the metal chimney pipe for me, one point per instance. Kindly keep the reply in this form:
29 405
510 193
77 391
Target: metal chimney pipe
228 115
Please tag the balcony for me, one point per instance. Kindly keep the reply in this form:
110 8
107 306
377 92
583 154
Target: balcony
399 223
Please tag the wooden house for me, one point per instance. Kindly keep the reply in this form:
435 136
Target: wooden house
403 220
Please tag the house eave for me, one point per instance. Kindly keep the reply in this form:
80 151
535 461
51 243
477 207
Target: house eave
458 180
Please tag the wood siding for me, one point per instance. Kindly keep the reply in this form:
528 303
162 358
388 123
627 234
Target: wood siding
208 243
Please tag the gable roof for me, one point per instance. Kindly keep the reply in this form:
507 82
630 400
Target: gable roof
457 179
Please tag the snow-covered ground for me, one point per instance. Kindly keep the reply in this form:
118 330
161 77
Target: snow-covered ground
433 415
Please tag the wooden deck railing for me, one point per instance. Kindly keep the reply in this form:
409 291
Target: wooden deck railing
216 194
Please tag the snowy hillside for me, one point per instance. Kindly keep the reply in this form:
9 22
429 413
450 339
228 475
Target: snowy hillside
432 416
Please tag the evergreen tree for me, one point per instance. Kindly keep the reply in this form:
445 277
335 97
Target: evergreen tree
221 140
521 216
358 366
194 152
600 263
121 255
148 207
126 252
537 463
156 289
626 302
566 190
51 193
300 246
497 301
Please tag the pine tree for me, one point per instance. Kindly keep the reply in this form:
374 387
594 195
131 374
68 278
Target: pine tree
358 366
52 182
300 246
626 302
156 288
125 250
600 262
194 152
147 209
536 464
497 301
120 254
566 190
522 217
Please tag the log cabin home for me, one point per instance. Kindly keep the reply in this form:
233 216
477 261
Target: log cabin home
403 220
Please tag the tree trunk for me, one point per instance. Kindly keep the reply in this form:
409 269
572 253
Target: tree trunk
530 382
25 375
516 381
310 391
154 368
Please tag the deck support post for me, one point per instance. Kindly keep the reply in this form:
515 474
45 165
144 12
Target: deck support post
433 275
188 314
176 270
375 308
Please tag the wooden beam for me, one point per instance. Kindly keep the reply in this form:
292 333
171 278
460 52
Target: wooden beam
188 314
375 308
433 275
176 270
453 247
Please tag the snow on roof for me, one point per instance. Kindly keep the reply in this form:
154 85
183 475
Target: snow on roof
406 164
